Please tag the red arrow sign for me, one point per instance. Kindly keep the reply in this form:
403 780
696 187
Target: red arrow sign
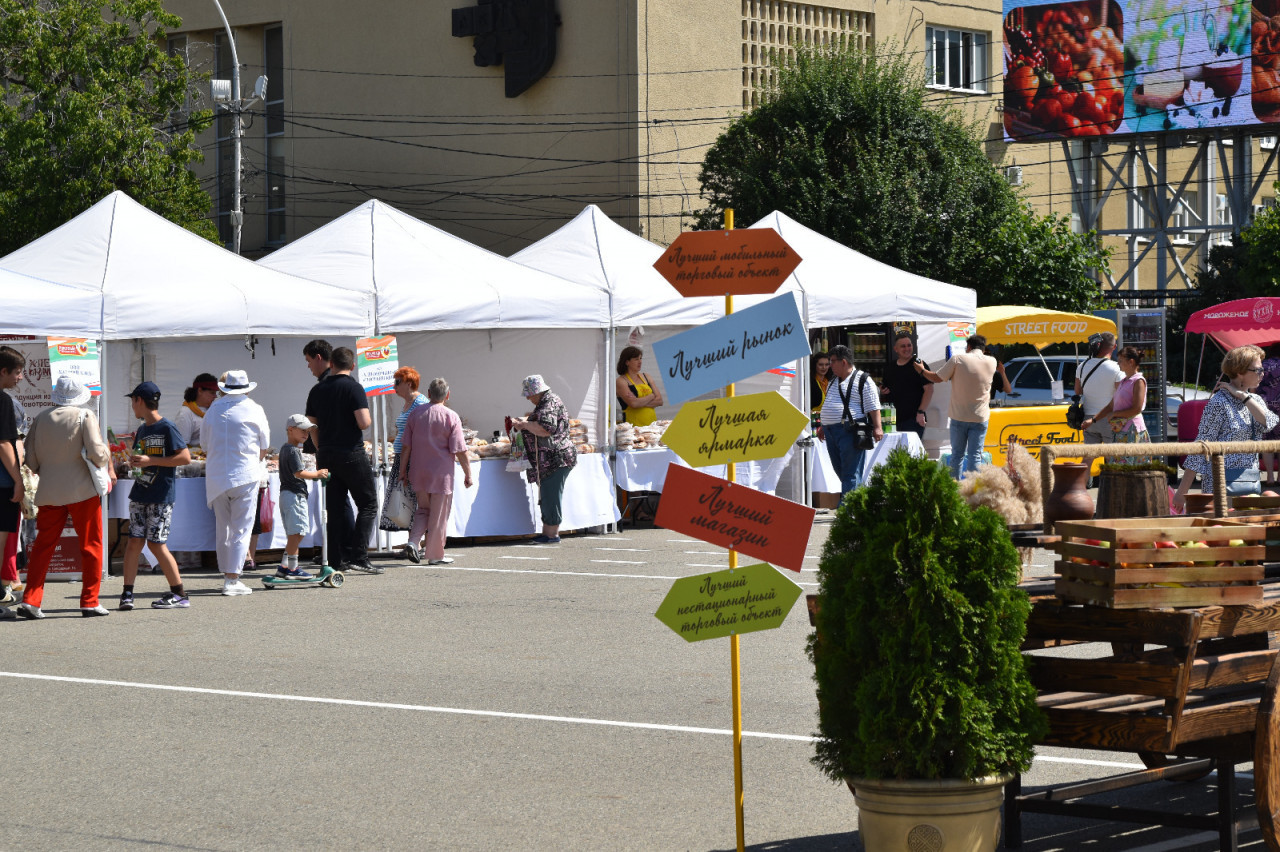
712 263
719 512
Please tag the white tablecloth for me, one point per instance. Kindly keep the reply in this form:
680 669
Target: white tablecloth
500 503
646 470
823 475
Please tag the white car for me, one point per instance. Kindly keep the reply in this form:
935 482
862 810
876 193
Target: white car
1030 383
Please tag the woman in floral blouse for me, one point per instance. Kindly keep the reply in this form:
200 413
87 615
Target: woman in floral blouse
551 452
1234 413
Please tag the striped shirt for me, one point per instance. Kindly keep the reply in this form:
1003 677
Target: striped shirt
833 404
403 418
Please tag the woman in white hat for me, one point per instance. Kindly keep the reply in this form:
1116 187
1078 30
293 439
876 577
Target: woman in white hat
53 450
235 437
551 452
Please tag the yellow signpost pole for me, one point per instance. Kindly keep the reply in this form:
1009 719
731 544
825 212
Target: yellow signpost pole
734 657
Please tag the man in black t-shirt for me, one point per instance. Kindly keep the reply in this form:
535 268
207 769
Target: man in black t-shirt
908 391
338 407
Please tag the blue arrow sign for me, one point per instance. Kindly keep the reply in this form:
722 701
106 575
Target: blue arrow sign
735 347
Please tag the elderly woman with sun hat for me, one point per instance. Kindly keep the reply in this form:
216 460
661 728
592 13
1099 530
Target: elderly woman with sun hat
551 452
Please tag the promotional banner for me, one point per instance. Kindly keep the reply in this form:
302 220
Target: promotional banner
377 360
719 512
734 347
78 358
1104 67
33 390
728 603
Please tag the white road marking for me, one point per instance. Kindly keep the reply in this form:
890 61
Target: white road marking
704 552
536 558
705 565
1078 762
532 546
554 573
617 562
625 549
384 705
681 541
605 538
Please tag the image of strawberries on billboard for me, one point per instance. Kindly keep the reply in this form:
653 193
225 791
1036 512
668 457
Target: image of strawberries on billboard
1105 67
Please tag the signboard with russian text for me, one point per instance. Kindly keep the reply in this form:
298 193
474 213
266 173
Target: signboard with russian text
377 360
728 603
722 513
742 344
1093 68
34 388
76 357
734 429
718 263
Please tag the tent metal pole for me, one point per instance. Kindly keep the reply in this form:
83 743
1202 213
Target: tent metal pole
103 426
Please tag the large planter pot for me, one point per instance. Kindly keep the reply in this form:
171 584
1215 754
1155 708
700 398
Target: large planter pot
1069 500
937 816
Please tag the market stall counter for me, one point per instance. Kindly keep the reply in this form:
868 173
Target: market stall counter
501 503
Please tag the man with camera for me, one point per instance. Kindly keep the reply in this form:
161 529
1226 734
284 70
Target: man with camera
849 423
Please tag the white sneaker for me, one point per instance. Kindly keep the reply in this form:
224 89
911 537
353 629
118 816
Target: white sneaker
235 587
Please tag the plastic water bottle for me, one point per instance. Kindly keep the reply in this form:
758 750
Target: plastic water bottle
888 419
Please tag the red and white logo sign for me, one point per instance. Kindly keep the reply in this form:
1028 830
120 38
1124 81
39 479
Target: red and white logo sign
1263 311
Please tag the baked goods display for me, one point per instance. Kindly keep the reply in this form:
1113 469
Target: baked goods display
628 437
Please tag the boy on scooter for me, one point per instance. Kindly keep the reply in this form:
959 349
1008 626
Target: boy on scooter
293 495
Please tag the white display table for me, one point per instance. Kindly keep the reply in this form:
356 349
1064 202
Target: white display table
646 470
823 475
500 503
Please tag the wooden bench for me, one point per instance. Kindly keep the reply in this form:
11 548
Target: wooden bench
1203 698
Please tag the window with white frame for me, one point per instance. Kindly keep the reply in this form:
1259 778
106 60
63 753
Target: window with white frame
1222 216
1267 143
956 59
1186 214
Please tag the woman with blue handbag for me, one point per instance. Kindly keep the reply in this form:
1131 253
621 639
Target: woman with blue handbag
1234 413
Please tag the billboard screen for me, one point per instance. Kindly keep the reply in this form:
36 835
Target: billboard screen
1108 67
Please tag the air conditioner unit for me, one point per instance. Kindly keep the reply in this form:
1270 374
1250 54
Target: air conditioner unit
1013 174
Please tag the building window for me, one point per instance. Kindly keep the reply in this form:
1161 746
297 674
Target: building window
275 142
1186 214
226 148
956 59
1267 143
1221 216
765 44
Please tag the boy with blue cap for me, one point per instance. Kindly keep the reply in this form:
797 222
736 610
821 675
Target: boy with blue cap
158 448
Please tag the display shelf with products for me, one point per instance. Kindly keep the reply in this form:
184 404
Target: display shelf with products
1144 330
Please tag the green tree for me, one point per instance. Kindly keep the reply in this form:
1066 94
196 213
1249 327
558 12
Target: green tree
88 97
849 145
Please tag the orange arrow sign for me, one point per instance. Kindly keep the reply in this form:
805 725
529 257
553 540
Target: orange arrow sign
719 512
713 263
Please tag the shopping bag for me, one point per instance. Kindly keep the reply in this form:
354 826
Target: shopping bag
266 511
399 509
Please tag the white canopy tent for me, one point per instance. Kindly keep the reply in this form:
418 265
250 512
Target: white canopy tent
33 306
484 306
151 281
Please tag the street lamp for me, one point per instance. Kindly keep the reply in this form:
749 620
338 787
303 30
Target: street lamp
226 94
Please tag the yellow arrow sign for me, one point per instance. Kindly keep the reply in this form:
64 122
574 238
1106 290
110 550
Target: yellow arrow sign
725 603
738 428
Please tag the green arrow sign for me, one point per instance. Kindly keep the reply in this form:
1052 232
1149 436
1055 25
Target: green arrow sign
724 603
738 428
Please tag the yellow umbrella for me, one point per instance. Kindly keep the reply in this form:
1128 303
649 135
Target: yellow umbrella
1037 326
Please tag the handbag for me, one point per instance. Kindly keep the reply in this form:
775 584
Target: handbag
266 512
1075 411
399 509
100 475
1243 481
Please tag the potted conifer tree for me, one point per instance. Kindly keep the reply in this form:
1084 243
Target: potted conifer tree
925 705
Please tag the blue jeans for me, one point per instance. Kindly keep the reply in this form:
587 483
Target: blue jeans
966 445
846 458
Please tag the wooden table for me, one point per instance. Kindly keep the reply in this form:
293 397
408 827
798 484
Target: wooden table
1187 690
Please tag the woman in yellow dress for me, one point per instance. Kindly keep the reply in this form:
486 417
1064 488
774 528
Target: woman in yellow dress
636 393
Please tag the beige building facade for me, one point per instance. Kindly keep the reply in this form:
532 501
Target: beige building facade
385 102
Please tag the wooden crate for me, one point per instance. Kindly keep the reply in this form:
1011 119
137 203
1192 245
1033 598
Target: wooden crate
1266 515
1112 572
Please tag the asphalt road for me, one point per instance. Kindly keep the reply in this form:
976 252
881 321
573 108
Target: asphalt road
523 698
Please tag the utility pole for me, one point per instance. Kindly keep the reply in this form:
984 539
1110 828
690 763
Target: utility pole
227 96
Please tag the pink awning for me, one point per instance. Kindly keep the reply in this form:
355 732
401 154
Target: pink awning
1237 323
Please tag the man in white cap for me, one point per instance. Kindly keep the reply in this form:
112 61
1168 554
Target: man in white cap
235 437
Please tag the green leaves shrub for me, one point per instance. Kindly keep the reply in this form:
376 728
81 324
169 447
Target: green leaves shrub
916 653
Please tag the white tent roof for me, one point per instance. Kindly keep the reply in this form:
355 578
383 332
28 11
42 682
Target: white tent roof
42 308
156 279
594 249
427 279
843 286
